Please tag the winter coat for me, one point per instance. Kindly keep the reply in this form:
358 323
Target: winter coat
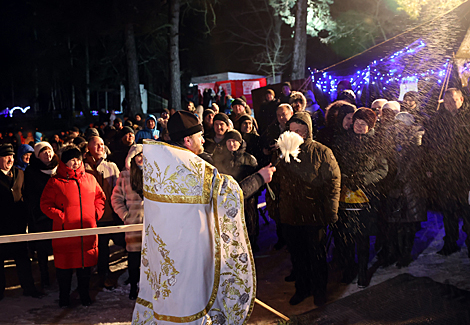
106 174
446 144
36 177
119 152
238 164
22 150
406 200
130 208
210 145
309 190
362 167
147 133
73 200
12 216
267 114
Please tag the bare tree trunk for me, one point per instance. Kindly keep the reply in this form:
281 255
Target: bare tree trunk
87 74
175 82
69 45
134 100
300 41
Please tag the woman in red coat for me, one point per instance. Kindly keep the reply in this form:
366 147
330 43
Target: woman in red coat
73 200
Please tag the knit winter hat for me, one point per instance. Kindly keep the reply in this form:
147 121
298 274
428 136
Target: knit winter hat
135 150
125 130
78 140
393 105
233 134
238 101
270 91
347 95
91 132
207 112
221 117
183 124
367 115
6 149
243 118
69 153
378 103
40 146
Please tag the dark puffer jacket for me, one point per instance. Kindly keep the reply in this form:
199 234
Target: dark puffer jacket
73 200
309 189
12 217
362 167
238 164
36 176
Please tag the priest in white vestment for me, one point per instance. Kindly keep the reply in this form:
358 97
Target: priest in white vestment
197 266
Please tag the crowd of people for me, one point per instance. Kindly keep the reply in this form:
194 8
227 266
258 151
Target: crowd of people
360 172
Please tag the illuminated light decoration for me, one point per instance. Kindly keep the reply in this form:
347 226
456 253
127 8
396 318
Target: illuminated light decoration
386 73
23 110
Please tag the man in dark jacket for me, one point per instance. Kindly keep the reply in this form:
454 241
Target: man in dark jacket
308 202
267 111
220 125
13 221
446 141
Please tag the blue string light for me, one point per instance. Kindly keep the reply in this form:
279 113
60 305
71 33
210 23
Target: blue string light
385 72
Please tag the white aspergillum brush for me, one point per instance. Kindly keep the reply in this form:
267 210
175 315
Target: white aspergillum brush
289 144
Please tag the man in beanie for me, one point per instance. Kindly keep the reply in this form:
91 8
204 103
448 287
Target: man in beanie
308 202
106 174
13 221
208 122
220 125
234 160
238 109
120 147
193 217
266 114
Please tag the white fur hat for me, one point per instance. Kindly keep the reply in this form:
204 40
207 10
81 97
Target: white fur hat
41 145
133 151
378 103
393 105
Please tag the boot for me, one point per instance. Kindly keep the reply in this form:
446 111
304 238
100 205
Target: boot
134 292
350 268
406 245
83 279
64 278
363 259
